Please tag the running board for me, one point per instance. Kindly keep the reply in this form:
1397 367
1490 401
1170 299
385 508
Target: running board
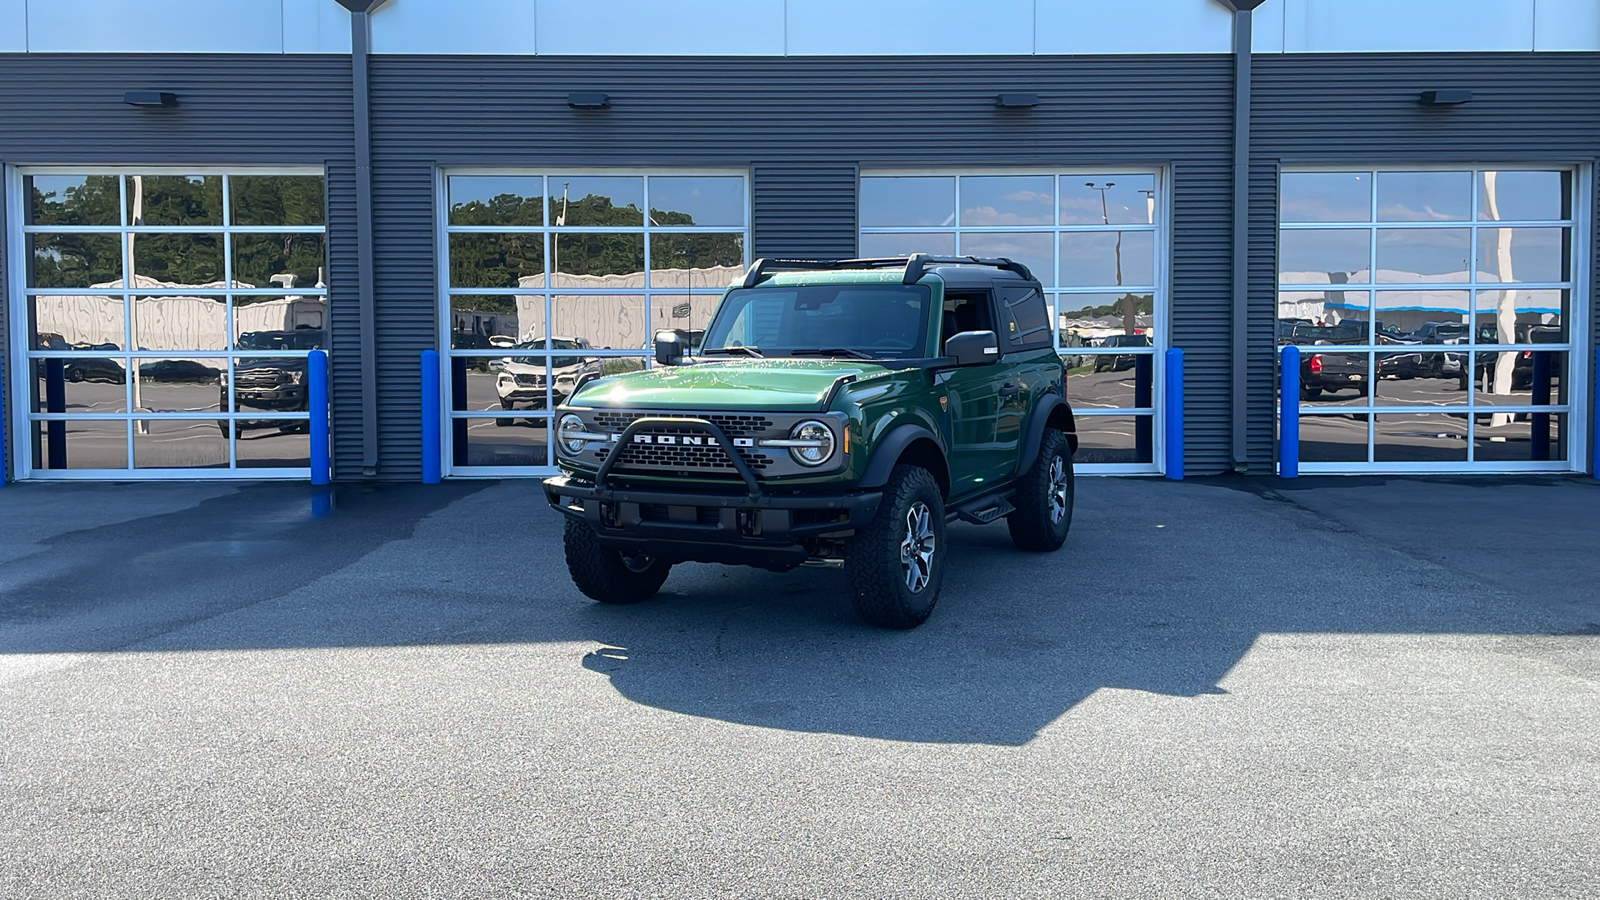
985 510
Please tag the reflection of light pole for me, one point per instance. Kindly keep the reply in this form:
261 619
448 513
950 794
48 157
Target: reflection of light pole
555 244
1128 312
1149 205
132 306
1506 311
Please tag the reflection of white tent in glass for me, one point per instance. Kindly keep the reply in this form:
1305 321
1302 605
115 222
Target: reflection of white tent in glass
1097 328
171 321
607 321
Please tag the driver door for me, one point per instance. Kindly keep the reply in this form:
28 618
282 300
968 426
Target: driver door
982 450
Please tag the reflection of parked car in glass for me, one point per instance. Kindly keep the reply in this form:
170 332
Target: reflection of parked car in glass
273 383
1522 371
521 379
180 370
108 371
1118 362
1330 372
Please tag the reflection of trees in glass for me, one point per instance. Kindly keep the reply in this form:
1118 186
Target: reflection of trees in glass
484 303
1143 304
92 203
175 200
62 260
479 259
276 199
258 257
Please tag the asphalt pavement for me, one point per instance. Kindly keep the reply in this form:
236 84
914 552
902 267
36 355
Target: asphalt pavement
1225 687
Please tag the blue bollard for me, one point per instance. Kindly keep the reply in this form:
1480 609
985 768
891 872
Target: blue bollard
317 405
1289 413
1174 381
1594 443
432 467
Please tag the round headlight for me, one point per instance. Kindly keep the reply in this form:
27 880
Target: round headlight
818 446
567 434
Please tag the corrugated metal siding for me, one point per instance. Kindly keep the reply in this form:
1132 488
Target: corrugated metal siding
344 323
1362 109
803 126
5 334
234 110
805 209
1261 373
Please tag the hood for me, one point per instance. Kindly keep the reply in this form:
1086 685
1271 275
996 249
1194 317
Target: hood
780 385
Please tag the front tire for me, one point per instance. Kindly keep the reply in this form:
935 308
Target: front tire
1044 498
895 564
606 575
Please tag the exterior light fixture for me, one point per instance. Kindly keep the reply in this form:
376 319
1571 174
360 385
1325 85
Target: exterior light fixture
589 100
156 99
1445 98
1016 100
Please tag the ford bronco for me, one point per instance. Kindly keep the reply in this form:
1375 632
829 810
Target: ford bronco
838 412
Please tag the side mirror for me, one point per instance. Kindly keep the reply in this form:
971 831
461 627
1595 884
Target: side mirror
973 348
670 348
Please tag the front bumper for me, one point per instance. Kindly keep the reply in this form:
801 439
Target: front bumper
685 526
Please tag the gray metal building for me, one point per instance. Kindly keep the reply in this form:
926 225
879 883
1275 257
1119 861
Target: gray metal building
539 194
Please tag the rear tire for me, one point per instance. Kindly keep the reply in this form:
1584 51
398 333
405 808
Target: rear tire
606 575
895 565
1043 501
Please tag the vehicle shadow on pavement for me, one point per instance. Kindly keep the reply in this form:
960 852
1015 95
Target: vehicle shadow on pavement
1162 587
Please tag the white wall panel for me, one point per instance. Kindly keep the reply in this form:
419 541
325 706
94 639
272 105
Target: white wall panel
454 26
1266 28
13 26
1566 25
1133 26
1337 26
681 27
168 26
877 27
315 26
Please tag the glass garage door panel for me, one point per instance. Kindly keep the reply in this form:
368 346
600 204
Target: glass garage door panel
169 316
1097 243
1433 311
556 277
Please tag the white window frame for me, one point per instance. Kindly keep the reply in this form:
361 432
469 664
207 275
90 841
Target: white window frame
1575 381
21 463
442 231
1161 317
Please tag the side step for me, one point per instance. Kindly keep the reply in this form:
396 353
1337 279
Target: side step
985 510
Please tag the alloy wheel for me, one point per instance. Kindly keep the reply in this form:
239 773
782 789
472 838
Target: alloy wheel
918 546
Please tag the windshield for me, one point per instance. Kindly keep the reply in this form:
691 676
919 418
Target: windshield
874 321
305 339
556 362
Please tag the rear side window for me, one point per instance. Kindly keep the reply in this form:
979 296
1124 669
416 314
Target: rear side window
1024 318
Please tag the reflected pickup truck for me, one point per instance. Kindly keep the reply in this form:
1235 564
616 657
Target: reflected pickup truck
837 413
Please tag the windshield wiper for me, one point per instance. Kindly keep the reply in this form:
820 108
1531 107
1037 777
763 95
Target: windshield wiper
750 350
832 351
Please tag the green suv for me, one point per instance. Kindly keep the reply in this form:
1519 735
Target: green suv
836 413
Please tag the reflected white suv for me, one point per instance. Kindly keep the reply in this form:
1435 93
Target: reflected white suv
520 381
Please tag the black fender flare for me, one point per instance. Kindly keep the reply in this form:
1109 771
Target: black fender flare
889 448
1041 418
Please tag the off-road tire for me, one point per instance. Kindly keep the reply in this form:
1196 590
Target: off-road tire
602 574
873 567
1043 501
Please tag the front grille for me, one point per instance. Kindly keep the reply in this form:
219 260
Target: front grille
261 378
733 425
708 457
530 381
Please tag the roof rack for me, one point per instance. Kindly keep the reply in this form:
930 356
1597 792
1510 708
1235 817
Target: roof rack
916 265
